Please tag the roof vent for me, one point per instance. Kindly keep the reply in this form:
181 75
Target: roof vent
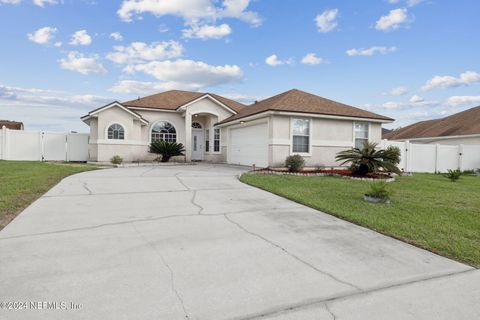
255 102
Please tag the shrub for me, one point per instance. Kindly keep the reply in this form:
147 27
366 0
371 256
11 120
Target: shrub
116 159
295 163
379 190
369 159
453 175
167 149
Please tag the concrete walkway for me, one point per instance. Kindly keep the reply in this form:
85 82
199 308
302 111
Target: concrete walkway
192 242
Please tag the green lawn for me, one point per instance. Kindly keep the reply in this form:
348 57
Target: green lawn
22 182
427 210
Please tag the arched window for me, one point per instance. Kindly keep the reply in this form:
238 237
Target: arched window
116 132
196 125
164 131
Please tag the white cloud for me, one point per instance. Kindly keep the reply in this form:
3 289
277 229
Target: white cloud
207 31
137 87
188 74
312 59
192 11
327 21
393 20
80 63
81 38
465 79
138 52
44 109
42 35
10 1
243 98
42 3
416 99
274 61
409 3
398 91
370 51
117 36
463 100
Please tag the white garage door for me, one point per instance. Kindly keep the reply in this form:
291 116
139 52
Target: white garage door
249 145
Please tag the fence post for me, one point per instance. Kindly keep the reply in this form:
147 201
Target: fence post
437 159
407 156
460 157
6 143
42 145
2 142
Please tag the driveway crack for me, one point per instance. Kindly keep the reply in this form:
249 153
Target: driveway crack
200 208
172 275
291 254
180 180
330 311
85 186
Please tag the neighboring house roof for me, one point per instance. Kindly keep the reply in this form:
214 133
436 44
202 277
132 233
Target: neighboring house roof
463 123
303 102
13 125
174 99
385 131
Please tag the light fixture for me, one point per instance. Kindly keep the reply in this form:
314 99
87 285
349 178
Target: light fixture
196 115
242 122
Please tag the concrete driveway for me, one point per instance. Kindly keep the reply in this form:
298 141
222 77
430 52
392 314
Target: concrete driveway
192 242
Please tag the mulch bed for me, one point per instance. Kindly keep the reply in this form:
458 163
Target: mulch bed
326 172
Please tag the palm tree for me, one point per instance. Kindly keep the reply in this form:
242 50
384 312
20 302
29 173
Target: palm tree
167 149
369 159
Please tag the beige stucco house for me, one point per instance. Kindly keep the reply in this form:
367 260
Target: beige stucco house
216 129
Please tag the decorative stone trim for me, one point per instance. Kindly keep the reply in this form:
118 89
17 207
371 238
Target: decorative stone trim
319 174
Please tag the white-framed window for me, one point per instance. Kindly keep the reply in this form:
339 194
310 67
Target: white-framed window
116 132
207 140
196 125
300 135
216 140
360 134
164 131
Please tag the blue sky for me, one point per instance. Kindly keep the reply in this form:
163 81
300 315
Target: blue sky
408 59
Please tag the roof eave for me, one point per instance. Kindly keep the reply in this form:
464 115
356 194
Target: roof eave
265 113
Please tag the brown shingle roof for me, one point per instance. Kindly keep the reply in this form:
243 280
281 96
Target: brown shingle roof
173 99
303 102
463 123
13 125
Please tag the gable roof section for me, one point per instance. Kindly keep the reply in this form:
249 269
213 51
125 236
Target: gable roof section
114 104
303 102
463 123
174 99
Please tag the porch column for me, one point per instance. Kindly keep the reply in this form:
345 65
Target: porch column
188 136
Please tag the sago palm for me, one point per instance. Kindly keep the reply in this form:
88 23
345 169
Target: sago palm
369 159
167 149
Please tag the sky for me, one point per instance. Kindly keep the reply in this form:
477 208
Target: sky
411 60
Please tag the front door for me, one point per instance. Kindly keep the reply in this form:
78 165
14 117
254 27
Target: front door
197 144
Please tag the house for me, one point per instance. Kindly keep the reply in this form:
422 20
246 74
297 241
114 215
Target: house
12 125
216 129
459 128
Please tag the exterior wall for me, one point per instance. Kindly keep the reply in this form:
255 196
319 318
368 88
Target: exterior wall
327 138
138 136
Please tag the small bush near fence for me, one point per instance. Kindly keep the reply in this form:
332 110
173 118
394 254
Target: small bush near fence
116 159
453 175
295 163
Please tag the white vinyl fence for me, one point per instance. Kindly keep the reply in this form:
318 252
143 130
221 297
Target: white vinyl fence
436 157
43 146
